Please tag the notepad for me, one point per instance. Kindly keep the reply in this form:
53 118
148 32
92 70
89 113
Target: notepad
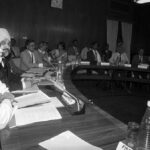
39 113
32 99
36 98
67 141
37 70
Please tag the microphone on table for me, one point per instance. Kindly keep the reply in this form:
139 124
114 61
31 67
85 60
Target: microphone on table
79 105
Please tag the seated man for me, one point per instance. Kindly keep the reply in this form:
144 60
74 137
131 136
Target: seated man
15 51
59 53
5 97
29 57
119 57
106 54
84 52
42 54
139 58
73 52
93 55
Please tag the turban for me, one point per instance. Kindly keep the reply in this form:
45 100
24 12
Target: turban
4 34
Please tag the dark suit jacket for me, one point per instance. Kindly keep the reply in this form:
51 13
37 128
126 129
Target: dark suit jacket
136 61
106 55
91 58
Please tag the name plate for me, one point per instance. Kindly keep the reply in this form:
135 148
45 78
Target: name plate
122 146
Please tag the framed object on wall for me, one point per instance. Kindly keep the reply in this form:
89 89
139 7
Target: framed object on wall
57 4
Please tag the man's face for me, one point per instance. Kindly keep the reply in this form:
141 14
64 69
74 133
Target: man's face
60 47
75 43
43 47
95 46
4 48
141 52
31 46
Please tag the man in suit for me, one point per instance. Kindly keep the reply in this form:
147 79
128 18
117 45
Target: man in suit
93 55
119 57
29 57
73 52
106 54
6 98
42 54
139 58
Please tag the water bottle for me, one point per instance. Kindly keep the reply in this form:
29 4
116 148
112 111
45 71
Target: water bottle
143 139
59 71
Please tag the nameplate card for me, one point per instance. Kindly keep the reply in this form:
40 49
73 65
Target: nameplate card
122 146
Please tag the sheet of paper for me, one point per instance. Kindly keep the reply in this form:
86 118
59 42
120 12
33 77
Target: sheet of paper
67 141
37 70
56 102
39 113
32 99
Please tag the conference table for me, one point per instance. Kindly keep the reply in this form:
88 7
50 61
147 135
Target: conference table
111 73
95 126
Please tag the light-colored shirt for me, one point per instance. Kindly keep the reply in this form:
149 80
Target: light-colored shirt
118 58
97 56
84 53
32 56
5 113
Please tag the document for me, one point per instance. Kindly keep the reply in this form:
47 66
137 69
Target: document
37 70
32 99
36 98
67 141
39 113
56 102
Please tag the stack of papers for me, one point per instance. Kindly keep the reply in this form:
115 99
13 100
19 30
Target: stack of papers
27 75
32 99
37 70
39 113
67 141
37 98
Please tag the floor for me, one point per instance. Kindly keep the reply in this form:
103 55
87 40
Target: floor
120 103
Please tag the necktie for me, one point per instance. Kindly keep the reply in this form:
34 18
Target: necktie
32 57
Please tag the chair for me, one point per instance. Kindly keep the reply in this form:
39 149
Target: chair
15 65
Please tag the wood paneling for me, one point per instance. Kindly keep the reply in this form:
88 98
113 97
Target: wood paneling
81 19
141 29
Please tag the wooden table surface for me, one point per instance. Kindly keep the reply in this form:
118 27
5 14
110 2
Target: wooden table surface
95 126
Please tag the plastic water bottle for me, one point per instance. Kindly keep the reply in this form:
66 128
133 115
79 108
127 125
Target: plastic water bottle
143 139
59 71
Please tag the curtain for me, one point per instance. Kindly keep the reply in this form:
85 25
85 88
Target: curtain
112 32
127 36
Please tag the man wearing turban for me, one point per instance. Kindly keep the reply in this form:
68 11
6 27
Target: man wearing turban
5 97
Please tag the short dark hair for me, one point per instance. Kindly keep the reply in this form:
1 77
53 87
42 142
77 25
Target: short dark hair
28 41
62 44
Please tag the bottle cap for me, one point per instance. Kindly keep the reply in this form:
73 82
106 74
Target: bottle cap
148 103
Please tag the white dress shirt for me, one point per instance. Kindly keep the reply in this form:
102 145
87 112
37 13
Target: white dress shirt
32 56
121 58
97 56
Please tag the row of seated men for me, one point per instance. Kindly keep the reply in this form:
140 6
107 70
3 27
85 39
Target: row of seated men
30 56
90 53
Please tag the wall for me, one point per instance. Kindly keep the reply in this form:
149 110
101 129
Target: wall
81 19
141 32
